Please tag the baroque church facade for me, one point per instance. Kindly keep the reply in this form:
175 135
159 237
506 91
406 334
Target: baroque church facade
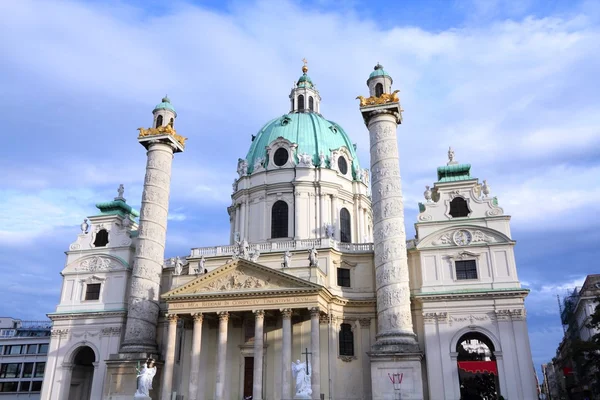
318 293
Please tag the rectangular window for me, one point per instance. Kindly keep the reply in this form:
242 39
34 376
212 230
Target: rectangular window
25 385
43 348
466 269
8 386
36 386
27 370
92 291
10 370
32 349
1 350
13 350
39 370
346 340
343 277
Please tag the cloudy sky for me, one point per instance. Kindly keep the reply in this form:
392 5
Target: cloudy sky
512 86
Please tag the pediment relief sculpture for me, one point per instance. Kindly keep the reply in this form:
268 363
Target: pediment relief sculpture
243 279
463 237
97 263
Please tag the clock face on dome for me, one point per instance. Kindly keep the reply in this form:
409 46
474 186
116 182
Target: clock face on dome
462 237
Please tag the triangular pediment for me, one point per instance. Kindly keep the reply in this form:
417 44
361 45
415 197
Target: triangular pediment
241 277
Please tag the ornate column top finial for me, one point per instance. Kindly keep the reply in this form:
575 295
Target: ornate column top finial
120 192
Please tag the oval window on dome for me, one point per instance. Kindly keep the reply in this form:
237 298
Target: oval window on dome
280 157
343 165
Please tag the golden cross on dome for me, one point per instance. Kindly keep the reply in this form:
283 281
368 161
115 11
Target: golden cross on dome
304 67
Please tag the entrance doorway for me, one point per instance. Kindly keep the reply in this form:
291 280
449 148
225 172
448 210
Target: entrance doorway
248 377
83 374
477 369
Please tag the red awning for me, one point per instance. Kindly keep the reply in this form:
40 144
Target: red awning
479 367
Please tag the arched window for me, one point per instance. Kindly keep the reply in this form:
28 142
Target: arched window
300 103
171 121
346 340
311 104
279 220
477 369
101 238
459 207
378 90
345 226
159 121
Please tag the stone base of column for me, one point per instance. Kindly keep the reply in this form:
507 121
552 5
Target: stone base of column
396 343
121 376
396 376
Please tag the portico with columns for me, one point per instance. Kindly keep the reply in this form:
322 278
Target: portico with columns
242 311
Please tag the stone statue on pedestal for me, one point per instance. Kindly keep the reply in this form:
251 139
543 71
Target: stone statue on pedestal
144 379
303 388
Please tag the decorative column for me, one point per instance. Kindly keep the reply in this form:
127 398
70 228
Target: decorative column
167 383
195 364
286 353
237 219
395 330
246 217
315 374
242 212
65 381
335 218
257 384
143 307
221 356
323 219
396 348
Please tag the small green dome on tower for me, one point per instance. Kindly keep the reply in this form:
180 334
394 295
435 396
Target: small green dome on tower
378 71
165 104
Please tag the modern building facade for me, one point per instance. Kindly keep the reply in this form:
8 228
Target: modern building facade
317 293
574 379
23 352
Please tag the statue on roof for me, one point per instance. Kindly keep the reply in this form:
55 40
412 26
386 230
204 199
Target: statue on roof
451 160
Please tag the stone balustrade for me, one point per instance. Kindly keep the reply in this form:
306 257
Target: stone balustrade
277 246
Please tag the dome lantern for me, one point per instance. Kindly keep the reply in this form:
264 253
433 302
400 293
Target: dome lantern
379 81
304 97
164 113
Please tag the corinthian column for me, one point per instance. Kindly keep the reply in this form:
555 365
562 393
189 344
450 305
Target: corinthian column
167 383
195 364
315 374
143 308
286 353
221 356
395 330
257 385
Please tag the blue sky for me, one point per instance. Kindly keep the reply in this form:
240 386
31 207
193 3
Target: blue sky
512 86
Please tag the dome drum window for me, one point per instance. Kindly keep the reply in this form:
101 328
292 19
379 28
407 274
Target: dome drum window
281 157
343 165
279 220
279 153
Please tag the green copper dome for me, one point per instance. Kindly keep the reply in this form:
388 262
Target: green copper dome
378 71
165 105
310 131
304 80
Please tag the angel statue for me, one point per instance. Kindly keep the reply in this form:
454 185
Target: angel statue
178 266
303 389
144 379
313 255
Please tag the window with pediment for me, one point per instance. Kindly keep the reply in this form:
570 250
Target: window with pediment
459 207
101 238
